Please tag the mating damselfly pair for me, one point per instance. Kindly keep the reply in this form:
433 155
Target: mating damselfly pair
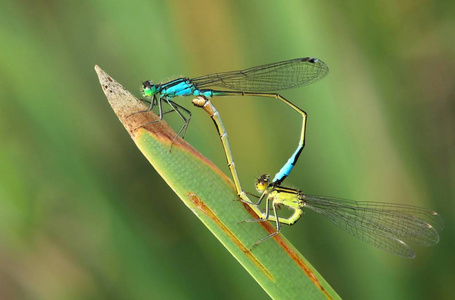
390 227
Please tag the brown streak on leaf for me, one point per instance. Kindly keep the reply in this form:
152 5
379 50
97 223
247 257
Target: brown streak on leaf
302 264
128 109
290 251
200 205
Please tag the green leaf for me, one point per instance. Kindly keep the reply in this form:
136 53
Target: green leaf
276 265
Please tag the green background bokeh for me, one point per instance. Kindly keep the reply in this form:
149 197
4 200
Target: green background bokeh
84 216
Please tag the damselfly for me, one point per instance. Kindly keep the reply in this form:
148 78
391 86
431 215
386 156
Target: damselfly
256 81
387 226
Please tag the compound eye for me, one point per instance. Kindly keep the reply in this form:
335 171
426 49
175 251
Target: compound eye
147 84
264 179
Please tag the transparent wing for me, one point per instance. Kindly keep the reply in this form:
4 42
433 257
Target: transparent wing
266 78
390 227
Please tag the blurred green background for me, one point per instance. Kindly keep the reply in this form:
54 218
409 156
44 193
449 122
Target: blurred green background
84 216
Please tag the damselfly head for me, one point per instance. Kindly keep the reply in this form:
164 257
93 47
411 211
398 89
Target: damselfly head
148 89
262 183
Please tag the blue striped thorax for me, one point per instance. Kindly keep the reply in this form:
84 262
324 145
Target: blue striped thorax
175 88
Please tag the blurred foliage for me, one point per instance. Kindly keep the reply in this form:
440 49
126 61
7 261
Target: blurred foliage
83 215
